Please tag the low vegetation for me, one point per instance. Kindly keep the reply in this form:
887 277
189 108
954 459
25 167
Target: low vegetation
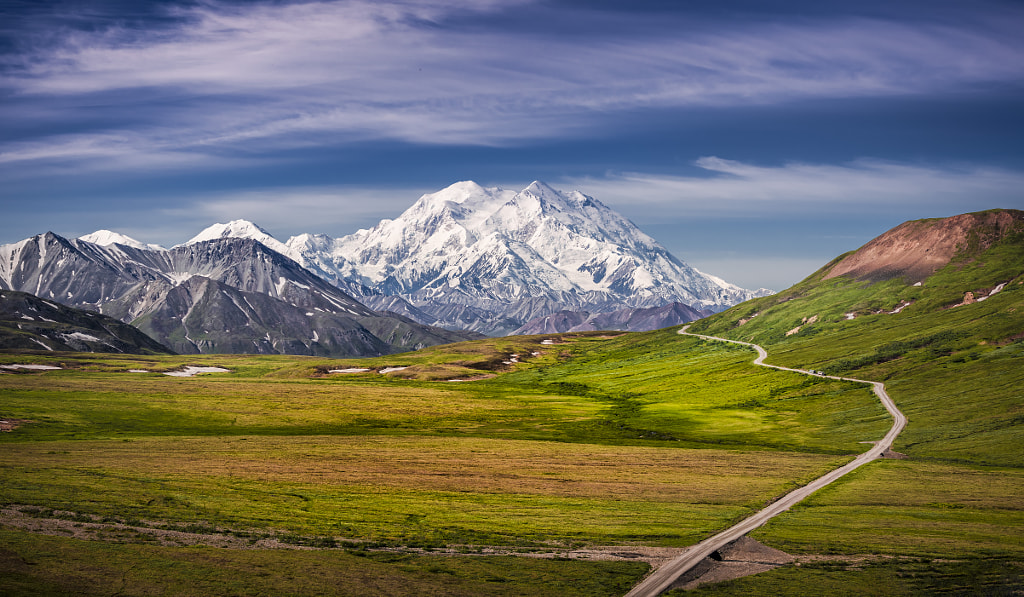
397 479
576 440
953 364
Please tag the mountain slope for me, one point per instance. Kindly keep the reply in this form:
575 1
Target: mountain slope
948 344
919 248
243 296
29 322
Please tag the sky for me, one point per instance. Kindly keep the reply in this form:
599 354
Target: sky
756 140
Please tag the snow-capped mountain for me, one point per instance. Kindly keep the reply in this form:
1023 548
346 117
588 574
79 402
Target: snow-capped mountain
222 295
243 229
535 252
465 258
489 259
105 238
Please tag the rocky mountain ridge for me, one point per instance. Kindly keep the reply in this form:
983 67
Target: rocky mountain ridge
221 295
464 258
628 320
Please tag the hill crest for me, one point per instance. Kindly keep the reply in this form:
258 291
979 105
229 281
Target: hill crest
919 248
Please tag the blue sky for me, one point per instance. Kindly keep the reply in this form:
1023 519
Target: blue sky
755 140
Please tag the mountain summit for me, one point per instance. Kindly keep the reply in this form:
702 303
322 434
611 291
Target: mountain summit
490 259
241 229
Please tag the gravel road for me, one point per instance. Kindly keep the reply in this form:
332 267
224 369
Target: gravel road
661 579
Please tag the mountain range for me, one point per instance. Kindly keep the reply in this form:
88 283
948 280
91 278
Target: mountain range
227 295
631 319
463 261
490 260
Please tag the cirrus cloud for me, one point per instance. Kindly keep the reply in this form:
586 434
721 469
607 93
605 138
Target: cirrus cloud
272 76
729 186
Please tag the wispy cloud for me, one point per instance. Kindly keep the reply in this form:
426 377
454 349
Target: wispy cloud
271 75
737 188
723 189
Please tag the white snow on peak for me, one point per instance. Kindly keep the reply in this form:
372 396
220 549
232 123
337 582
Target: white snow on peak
492 243
105 238
233 229
458 192
243 229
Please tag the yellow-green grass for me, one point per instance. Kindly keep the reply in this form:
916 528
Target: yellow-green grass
37 565
597 440
874 577
957 372
86 404
900 527
666 385
638 388
278 443
409 489
965 407
902 507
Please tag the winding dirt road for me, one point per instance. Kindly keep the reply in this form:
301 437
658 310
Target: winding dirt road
661 579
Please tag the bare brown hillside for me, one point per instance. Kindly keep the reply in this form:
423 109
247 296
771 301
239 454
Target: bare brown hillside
917 249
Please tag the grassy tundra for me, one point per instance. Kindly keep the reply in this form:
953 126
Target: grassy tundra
406 483
647 439
643 439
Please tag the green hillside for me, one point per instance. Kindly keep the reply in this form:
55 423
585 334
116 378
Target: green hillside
957 371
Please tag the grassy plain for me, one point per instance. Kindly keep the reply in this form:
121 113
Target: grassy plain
39 565
637 439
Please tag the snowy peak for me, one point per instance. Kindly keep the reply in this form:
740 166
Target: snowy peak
466 252
242 229
459 192
543 192
233 229
490 248
106 238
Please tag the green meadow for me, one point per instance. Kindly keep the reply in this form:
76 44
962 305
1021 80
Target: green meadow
405 482
582 440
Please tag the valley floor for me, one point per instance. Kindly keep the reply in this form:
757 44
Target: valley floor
375 484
